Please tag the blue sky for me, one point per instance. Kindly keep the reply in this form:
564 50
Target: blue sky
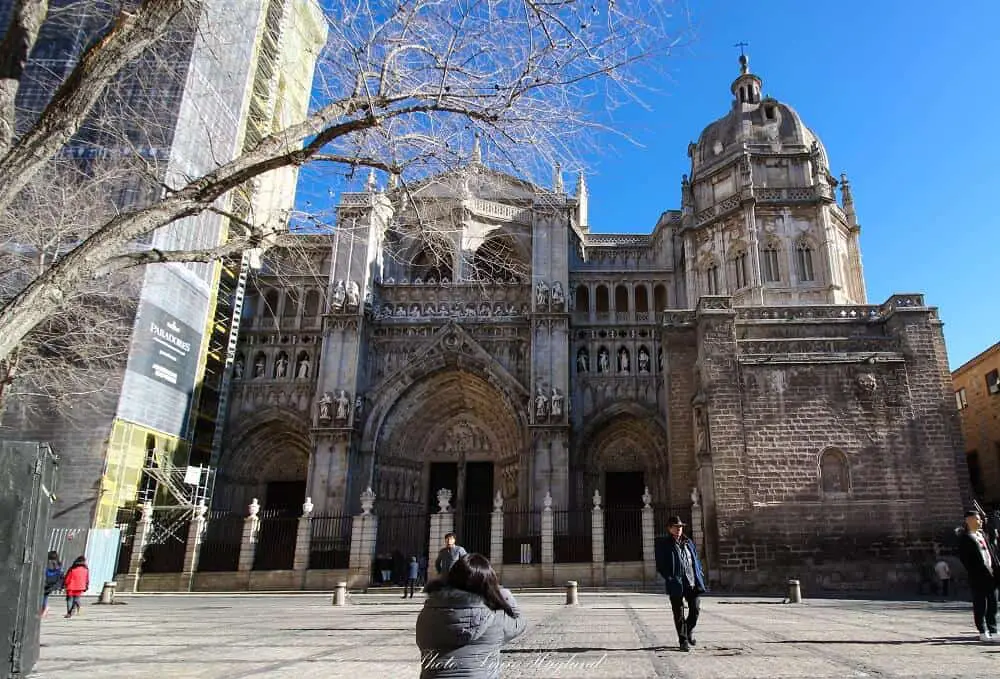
904 96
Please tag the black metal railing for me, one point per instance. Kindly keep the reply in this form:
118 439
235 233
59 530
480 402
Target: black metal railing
662 514
220 546
572 536
474 529
622 534
522 536
276 543
330 545
166 553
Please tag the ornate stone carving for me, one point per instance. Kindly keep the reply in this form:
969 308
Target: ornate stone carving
339 297
557 403
603 361
646 497
307 508
695 496
541 296
541 405
498 502
701 448
597 500
583 360
643 361
325 407
558 297
444 500
623 360
343 405
367 501
547 501
254 508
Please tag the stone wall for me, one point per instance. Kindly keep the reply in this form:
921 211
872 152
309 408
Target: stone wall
833 441
981 419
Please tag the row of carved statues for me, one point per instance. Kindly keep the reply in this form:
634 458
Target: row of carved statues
338 407
279 370
346 297
546 406
583 364
454 310
546 300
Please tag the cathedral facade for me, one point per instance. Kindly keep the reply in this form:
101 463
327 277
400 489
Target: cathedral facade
471 333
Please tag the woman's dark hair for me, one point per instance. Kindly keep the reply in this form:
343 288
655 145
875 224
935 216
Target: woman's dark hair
53 555
473 573
80 561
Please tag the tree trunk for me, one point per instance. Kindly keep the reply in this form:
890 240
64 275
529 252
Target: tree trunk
25 22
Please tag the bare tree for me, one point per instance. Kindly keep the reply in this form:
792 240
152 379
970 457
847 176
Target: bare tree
402 87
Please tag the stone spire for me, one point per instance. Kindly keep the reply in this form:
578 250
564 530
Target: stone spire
557 179
477 151
582 201
848 200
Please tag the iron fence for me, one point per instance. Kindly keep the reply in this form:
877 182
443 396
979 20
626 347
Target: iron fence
402 532
522 536
474 528
220 546
662 514
276 543
126 522
165 552
330 545
572 540
622 534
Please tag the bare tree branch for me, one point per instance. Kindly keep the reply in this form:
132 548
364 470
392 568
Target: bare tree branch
25 22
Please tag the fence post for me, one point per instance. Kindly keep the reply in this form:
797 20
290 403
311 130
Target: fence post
196 533
364 531
142 529
442 523
303 537
248 545
648 535
496 533
597 540
547 540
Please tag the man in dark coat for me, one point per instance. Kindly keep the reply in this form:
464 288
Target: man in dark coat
980 562
677 561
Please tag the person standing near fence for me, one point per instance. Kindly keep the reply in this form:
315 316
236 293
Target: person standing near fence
412 574
677 561
449 554
53 579
76 582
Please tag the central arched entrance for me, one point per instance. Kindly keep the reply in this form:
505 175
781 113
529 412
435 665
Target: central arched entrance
451 429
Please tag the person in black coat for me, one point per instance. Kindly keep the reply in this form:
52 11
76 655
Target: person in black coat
980 562
677 561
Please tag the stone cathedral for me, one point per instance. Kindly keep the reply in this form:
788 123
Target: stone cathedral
473 334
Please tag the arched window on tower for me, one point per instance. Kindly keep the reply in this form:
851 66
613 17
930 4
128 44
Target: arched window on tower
741 270
834 472
659 298
582 299
311 309
641 299
770 272
712 279
602 300
804 261
621 299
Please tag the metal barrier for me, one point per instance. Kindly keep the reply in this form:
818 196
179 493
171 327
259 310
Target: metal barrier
572 536
622 534
276 543
220 546
522 536
330 546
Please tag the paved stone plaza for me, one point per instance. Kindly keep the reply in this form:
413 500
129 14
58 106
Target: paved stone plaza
615 635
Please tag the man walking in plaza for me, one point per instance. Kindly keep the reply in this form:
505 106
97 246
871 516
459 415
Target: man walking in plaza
448 555
976 556
677 561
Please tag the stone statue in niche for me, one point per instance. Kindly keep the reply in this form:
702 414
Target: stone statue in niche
643 361
353 296
659 360
557 403
558 296
359 404
700 431
623 363
339 296
325 405
281 367
259 367
238 369
303 369
541 295
343 403
603 361
541 404
583 361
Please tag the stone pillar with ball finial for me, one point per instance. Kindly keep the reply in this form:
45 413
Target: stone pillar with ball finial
597 541
442 523
364 533
648 536
303 537
496 533
196 533
548 540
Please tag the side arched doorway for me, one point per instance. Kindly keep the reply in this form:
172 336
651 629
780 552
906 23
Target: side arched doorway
268 459
623 452
450 429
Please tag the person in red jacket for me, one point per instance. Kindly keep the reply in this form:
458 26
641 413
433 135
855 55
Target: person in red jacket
76 582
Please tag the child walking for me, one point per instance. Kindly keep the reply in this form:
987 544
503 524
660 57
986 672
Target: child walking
53 579
76 582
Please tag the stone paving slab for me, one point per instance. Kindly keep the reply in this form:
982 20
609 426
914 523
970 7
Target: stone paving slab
606 636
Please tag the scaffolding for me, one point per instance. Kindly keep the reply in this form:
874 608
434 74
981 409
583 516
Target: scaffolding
174 492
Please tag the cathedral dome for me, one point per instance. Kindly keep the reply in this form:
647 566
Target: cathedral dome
756 121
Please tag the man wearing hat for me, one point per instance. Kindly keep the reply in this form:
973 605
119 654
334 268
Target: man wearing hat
677 561
980 562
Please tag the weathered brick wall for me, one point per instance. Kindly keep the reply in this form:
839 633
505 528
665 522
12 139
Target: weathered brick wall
680 353
774 410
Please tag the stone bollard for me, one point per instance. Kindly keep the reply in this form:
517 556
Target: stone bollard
108 593
340 594
571 594
794 592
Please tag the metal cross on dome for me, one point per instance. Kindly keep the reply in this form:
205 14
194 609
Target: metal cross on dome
741 45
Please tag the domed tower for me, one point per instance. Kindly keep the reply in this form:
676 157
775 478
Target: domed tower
760 216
